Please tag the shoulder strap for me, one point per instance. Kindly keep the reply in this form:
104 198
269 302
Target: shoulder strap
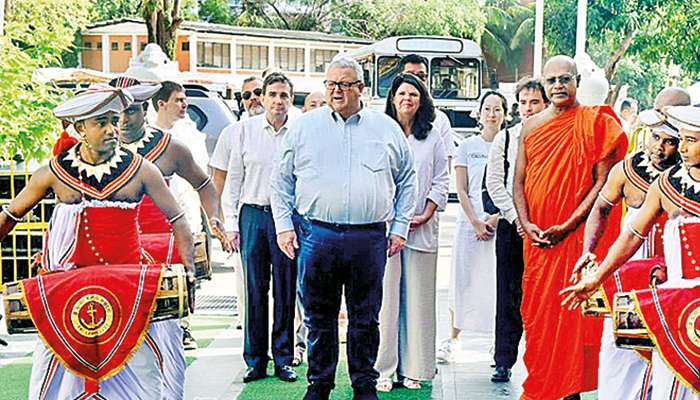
506 164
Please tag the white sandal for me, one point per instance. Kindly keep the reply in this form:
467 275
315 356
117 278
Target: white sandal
411 384
384 386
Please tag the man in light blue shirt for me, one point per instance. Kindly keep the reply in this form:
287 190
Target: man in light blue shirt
346 171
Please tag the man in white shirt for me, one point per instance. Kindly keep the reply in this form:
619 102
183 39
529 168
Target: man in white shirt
531 99
254 142
251 93
418 66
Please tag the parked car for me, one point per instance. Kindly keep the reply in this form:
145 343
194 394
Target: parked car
209 112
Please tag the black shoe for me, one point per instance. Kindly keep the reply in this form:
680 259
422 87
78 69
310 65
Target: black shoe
501 374
286 373
318 391
188 341
364 393
254 374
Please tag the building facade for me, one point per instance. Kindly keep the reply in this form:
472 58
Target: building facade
220 52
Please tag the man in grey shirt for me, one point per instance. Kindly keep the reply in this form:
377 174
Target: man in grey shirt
531 99
347 171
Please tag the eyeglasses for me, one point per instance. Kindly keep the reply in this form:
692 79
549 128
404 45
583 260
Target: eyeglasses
331 85
563 79
248 94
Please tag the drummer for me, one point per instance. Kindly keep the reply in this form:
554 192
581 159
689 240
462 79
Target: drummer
172 157
623 374
97 185
676 192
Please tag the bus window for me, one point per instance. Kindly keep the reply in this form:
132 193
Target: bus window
387 69
367 65
453 78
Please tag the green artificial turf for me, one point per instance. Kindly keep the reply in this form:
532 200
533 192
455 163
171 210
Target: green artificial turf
273 388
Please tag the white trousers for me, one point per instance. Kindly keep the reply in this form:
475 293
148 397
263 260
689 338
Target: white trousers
623 374
407 320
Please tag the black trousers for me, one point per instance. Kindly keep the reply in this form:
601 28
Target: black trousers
509 293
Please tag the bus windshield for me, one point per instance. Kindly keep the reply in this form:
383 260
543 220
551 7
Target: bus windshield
450 78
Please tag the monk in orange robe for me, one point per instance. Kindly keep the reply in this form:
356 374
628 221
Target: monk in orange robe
564 159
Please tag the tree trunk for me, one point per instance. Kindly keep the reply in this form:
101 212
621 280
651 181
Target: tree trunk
162 21
614 59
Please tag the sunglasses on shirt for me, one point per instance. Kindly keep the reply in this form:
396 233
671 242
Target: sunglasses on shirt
248 94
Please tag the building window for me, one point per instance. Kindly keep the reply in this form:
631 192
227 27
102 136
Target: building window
185 46
321 58
143 45
115 46
213 55
251 57
87 45
99 45
127 46
289 59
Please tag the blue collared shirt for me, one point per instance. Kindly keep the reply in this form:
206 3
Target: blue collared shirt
357 171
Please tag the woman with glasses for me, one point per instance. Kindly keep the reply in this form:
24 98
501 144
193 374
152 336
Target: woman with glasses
407 321
472 292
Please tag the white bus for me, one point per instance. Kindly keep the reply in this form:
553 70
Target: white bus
456 69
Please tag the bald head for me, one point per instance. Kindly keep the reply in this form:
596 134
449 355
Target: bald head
314 100
561 62
671 96
560 81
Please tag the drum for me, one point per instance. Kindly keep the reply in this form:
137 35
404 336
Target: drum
628 327
594 306
171 301
202 262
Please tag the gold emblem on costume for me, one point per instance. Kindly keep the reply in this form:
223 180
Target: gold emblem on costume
692 327
92 315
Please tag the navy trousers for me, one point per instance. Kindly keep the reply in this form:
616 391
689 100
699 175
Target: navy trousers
262 260
330 257
509 293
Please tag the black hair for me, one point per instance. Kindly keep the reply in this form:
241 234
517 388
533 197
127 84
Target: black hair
503 101
423 120
413 59
277 77
530 84
625 105
166 90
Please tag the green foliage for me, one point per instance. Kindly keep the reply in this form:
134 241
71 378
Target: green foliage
215 11
115 9
510 26
378 19
37 33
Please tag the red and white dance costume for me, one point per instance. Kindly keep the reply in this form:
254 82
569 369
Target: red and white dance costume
625 374
682 252
92 232
157 237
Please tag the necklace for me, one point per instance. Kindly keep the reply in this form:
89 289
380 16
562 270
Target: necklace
649 168
97 171
137 145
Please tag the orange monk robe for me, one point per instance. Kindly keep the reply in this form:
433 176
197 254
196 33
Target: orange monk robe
561 346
